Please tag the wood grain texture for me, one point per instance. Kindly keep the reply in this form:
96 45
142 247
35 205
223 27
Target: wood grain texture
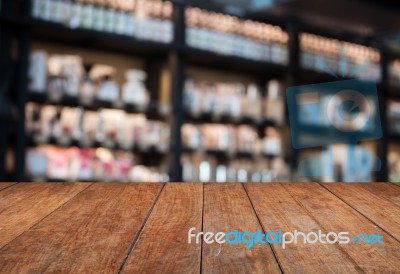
23 205
5 185
163 244
396 184
277 209
90 234
335 215
380 202
143 228
227 208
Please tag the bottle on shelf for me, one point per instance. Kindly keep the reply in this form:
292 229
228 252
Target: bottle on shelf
147 20
87 92
108 90
225 34
134 91
38 71
198 167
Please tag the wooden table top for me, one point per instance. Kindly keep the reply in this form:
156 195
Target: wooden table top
143 228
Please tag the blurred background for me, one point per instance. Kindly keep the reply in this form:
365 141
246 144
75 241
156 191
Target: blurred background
151 90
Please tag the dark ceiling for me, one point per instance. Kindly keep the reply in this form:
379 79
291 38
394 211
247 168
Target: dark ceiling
356 16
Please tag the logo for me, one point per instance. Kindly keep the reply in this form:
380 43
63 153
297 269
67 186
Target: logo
352 108
249 239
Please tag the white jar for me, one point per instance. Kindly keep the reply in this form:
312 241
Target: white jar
134 90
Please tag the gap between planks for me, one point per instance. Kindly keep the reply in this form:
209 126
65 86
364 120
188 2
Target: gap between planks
136 237
34 223
6 185
300 201
360 212
202 229
262 227
396 184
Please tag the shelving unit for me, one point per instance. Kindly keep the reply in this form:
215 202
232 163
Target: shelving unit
152 111
177 55
225 119
57 32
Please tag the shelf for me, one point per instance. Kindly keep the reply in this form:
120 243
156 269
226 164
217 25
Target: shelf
242 65
319 135
62 34
58 32
75 143
309 76
225 119
87 38
232 155
50 180
10 18
394 137
394 92
152 111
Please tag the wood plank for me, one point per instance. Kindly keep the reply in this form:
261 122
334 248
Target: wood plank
380 202
24 205
392 195
89 234
386 191
163 244
5 185
227 208
276 210
396 184
335 215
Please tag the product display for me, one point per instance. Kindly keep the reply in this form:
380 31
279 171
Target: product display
393 113
340 58
235 100
238 145
394 163
231 139
143 19
197 167
340 163
75 164
232 36
107 127
394 73
66 76
128 77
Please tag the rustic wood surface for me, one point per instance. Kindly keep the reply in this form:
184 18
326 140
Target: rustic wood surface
23 205
4 185
278 209
162 246
143 228
335 215
89 234
227 208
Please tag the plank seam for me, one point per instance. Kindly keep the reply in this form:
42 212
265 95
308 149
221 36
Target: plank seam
262 227
381 197
44 217
137 235
8 186
359 212
202 228
29 196
322 227
397 184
